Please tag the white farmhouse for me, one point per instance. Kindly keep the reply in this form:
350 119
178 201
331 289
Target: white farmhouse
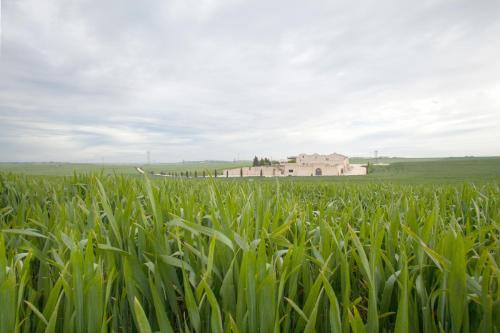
302 165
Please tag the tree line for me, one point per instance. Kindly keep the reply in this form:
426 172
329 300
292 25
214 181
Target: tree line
262 161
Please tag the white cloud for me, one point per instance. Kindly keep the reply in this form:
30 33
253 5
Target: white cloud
214 79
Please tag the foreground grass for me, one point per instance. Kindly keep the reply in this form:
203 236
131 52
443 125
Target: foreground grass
118 254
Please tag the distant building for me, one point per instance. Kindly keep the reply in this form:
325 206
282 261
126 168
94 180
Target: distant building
302 165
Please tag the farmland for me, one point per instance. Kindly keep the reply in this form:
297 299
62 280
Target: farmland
413 247
406 170
67 169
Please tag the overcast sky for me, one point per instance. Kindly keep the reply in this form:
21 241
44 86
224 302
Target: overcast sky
87 81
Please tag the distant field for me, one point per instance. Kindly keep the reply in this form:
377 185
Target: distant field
67 169
64 169
208 167
440 170
390 160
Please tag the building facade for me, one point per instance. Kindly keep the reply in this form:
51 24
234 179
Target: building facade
301 165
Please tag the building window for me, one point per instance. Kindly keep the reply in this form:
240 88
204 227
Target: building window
290 170
318 172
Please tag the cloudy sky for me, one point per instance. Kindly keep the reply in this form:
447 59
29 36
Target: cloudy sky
109 80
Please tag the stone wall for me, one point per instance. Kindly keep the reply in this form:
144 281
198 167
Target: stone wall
267 171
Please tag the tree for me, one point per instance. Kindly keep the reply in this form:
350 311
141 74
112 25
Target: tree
255 161
261 162
241 172
215 173
182 173
195 174
203 173
369 168
261 173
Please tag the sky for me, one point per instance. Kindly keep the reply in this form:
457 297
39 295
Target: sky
107 81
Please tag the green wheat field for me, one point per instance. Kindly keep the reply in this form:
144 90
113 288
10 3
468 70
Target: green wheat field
412 247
